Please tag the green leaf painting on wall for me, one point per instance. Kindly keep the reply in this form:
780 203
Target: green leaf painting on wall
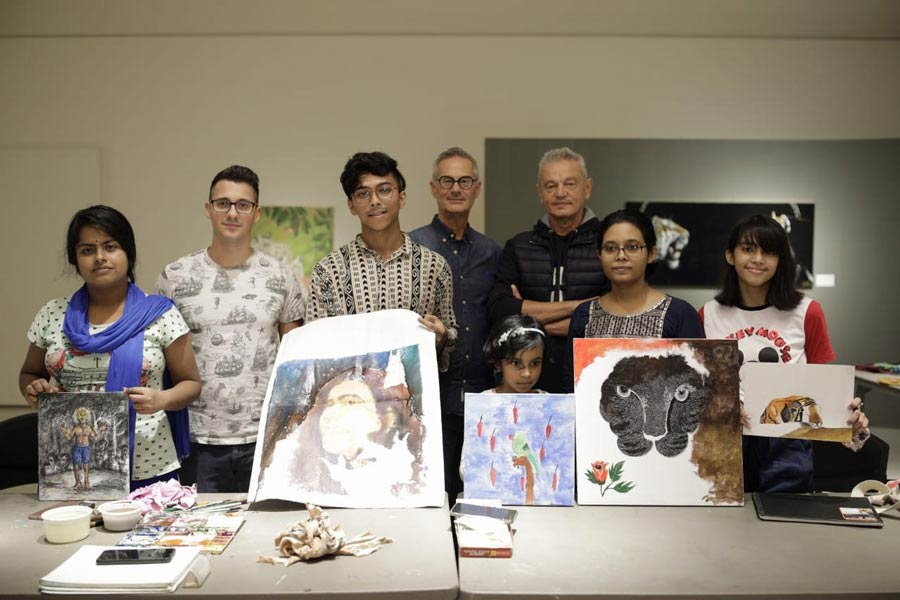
299 236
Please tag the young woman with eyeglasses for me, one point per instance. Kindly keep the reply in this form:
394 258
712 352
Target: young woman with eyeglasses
758 292
626 247
632 308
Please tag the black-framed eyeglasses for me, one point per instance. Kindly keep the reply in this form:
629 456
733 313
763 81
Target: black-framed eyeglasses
465 182
243 207
364 194
614 249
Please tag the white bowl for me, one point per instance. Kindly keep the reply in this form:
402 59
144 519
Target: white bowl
121 515
67 524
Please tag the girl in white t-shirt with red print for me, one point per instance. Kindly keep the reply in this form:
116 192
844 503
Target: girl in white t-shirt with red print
760 306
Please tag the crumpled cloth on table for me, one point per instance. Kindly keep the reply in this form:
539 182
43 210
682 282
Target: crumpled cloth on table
165 494
316 537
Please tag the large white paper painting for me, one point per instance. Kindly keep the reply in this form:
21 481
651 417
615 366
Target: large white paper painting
657 422
352 416
799 401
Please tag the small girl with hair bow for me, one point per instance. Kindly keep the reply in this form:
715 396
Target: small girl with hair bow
515 347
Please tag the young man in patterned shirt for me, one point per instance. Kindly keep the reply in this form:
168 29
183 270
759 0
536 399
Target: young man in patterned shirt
382 268
238 303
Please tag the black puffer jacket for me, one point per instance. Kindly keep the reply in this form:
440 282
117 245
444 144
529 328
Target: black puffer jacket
548 268
574 273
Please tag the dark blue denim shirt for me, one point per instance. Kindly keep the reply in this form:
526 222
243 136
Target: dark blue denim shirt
473 261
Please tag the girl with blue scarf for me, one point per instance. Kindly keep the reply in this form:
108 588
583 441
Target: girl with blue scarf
111 336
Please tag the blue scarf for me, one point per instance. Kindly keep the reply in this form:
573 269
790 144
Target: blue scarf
124 339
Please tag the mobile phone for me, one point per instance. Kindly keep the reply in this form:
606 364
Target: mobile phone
136 556
460 509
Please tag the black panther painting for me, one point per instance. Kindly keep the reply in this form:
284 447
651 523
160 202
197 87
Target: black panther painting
653 399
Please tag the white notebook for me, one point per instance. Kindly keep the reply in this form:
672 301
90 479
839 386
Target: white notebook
81 574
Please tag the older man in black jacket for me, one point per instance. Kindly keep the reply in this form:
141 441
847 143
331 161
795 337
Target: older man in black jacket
548 271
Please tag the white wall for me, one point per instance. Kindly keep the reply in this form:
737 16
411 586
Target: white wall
166 112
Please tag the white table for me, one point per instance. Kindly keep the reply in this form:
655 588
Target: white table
866 381
684 552
419 564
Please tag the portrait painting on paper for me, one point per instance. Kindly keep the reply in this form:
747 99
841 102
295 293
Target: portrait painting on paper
658 422
83 446
359 430
520 448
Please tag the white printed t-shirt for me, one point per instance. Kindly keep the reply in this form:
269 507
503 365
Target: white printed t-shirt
233 314
770 335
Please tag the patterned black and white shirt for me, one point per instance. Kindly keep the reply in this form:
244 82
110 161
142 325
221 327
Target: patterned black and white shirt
354 279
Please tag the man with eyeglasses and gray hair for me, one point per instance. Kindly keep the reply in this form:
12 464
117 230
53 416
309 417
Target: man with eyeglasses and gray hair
238 302
472 257
383 268
548 271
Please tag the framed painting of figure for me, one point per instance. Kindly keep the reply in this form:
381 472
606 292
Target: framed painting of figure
83 446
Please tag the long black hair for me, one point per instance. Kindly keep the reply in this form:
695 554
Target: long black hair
109 221
766 233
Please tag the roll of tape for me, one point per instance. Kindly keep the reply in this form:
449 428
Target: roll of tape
884 497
